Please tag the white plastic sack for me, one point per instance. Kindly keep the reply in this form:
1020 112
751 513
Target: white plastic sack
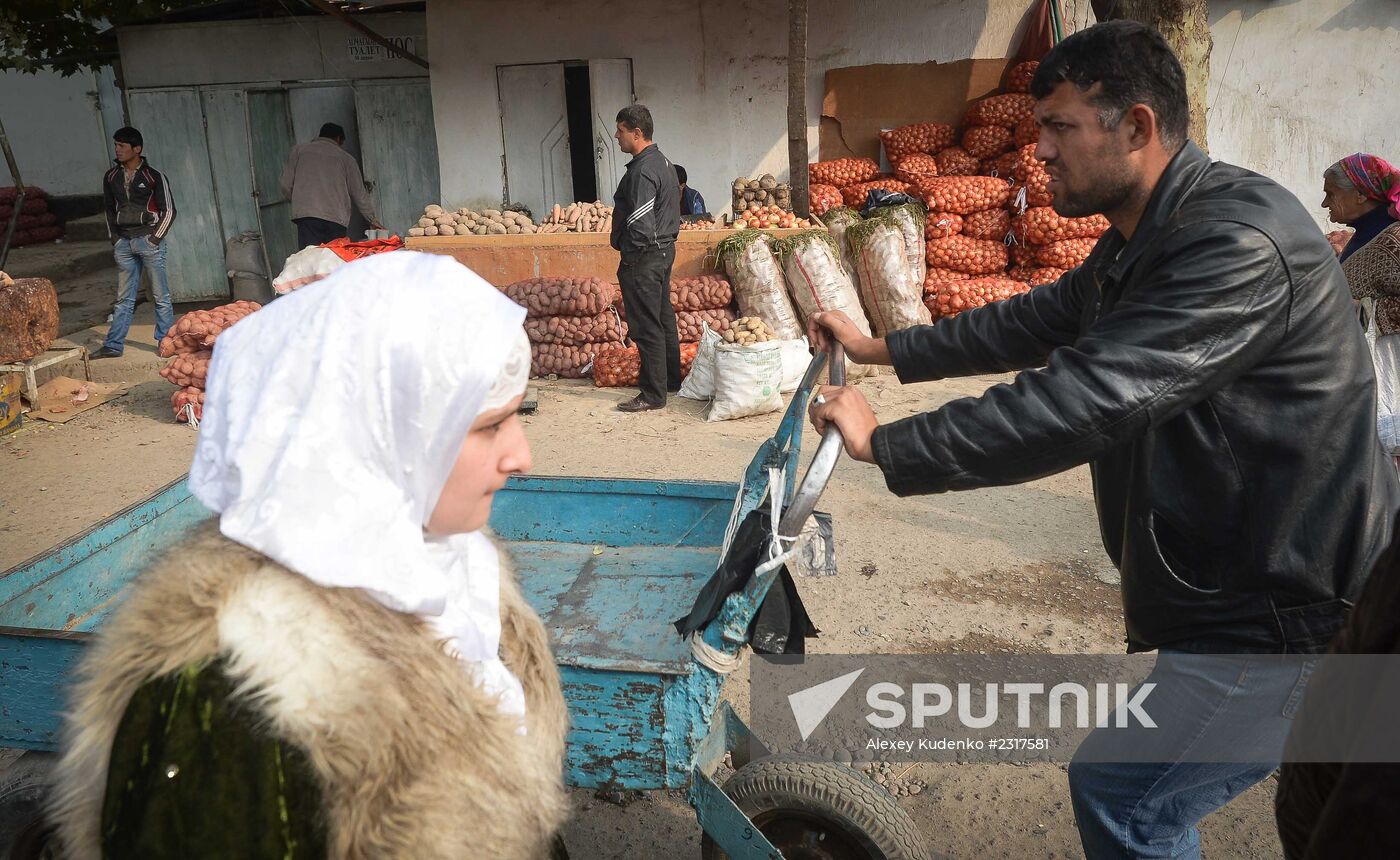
1385 354
304 267
891 296
759 287
747 380
838 221
797 354
819 282
699 384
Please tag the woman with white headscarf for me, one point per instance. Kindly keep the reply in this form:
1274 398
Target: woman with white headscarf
343 667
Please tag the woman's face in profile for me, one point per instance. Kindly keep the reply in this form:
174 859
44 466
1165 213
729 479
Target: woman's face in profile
1344 206
494 449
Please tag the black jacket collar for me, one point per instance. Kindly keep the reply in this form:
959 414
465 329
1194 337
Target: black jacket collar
1181 175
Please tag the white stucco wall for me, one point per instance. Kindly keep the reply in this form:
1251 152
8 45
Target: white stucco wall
55 131
1298 84
713 72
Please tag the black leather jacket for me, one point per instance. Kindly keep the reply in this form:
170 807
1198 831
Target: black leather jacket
1212 374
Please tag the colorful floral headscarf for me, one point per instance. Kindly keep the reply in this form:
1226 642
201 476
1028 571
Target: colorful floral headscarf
1376 178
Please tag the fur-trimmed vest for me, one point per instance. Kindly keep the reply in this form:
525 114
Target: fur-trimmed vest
412 758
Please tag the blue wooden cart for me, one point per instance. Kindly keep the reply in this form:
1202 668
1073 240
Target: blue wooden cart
609 565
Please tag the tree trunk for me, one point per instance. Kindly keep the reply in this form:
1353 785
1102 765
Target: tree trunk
797 105
1185 24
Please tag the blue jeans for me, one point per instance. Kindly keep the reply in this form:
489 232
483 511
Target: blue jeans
133 256
1148 802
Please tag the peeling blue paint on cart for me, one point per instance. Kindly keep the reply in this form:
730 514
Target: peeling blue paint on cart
608 564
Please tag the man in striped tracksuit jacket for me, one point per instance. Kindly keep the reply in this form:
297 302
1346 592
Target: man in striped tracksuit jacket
646 220
140 210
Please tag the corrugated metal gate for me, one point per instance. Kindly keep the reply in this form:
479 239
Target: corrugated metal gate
223 149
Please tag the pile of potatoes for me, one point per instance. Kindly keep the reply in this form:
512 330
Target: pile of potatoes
765 191
593 217
747 331
437 221
197 330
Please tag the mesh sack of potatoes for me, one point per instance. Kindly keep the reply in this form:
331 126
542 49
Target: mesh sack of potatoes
568 361
194 397
967 255
198 330
188 370
702 293
619 367
605 327
757 278
543 297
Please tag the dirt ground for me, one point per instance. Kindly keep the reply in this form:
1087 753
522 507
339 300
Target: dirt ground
1016 569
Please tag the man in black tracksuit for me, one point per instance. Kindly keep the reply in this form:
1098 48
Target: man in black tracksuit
646 219
140 211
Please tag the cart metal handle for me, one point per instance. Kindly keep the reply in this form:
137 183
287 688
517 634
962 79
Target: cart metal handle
804 501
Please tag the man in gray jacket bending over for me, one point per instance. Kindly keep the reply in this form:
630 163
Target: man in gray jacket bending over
322 180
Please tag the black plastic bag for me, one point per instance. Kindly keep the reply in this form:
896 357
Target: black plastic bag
781 625
878 198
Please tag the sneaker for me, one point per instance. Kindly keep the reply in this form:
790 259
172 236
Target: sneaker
105 352
639 404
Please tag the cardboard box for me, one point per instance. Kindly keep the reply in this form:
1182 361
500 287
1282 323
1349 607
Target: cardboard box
861 101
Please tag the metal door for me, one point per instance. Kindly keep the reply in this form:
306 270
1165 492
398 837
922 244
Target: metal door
398 149
226 127
610 86
313 107
535 126
172 123
269 145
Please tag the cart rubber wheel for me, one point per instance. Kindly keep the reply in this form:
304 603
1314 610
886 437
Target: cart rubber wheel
24 835
819 810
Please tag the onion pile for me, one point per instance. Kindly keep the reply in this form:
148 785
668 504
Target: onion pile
843 171
955 161
992 224
963 195
970 256
941 225
951 298
919 137
987 141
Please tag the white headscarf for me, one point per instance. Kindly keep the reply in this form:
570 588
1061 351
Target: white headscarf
332 420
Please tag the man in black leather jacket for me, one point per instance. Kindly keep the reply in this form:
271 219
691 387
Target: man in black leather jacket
1205 362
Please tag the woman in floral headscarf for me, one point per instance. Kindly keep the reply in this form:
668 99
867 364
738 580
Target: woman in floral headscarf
1363 192
342 666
